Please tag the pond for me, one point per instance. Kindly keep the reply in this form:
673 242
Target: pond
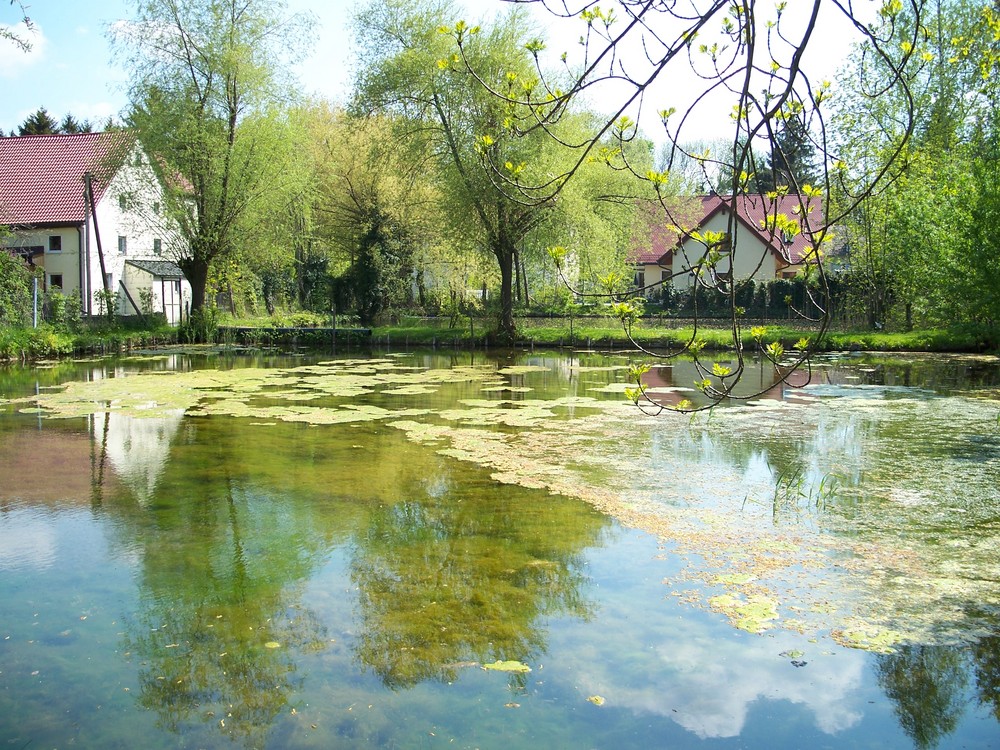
205 549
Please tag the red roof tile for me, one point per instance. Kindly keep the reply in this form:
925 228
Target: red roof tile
41 176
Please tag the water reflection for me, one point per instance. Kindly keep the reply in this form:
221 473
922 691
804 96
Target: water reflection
27 540
277 565
926 685
445 583
138 448
219 619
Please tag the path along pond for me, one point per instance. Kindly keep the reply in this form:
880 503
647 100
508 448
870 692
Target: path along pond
203 549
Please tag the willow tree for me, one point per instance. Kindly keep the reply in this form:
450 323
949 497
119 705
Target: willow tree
410 70
376 208
206 91
746 60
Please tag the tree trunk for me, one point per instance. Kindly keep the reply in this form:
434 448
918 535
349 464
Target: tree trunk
506 330
517 277
196 272
524 280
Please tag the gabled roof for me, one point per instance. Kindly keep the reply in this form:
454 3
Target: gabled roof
755 211
163 268
41 176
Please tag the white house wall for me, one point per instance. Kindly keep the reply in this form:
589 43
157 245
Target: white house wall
139 223
753 259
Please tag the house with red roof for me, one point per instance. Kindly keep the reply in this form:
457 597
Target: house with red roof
87 208
718 237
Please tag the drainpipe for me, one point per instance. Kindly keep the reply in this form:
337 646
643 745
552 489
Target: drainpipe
83 248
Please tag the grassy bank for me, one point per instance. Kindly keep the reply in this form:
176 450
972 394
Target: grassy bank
44 342
607 333
21 344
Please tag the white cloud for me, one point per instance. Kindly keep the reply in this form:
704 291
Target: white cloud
708 684
13 61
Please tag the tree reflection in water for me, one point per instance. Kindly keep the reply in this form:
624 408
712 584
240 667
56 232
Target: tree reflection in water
225 551
926 685
447 584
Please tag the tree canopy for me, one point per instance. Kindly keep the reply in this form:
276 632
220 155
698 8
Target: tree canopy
412 70
205 89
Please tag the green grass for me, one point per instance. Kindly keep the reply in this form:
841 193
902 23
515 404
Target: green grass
607 332
46 342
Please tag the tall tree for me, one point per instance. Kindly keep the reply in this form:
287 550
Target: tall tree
206 94
924 240
412 69
39 122
792 162
70 124
375 208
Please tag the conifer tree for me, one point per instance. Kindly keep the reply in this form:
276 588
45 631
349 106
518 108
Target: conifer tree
39 122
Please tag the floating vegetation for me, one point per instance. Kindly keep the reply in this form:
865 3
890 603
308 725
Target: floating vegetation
597 700
867 515
522 369
868 638
754 614
507 666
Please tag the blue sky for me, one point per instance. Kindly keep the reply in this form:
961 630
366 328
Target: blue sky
70 69
67 69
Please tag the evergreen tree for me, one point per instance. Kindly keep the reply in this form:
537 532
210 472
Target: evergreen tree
70 124
792 162
39 123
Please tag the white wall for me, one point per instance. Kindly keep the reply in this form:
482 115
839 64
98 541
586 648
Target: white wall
141 222
753 259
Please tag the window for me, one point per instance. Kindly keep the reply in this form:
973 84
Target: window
122 202
55 281
156 209
157 246
122 245
640 279
55 243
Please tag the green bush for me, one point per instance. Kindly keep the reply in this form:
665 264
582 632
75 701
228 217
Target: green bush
15 291
201 327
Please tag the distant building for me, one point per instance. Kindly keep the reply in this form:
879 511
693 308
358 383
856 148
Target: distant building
45 183
749 232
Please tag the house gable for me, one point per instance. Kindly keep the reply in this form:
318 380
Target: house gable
763 253
44 183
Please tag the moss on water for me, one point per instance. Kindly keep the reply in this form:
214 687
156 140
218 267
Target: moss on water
852 562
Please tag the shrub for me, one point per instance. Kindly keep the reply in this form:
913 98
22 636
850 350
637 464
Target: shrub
15 291
201 326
